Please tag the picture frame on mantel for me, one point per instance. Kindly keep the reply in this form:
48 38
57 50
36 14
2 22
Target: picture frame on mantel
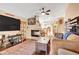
32 21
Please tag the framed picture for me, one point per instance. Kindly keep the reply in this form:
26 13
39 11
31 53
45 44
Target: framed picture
32 21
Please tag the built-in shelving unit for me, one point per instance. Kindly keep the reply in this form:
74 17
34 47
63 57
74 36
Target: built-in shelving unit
23 29
72 22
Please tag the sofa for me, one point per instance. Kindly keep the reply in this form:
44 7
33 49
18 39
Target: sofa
69 45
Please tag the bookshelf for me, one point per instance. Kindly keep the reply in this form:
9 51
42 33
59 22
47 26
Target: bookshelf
72 22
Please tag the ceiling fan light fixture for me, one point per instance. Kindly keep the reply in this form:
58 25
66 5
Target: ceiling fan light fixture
42 13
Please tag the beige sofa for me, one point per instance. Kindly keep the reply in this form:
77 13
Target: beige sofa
66 52
65 44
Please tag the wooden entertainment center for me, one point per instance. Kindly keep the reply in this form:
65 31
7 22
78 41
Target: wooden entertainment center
14 37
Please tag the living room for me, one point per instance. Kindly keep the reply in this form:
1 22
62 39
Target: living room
41 29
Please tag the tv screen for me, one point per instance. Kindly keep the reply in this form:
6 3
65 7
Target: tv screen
9 23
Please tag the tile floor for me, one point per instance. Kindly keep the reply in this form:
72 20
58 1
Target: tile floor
25 48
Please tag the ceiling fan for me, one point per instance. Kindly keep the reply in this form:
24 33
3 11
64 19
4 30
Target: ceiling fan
45 12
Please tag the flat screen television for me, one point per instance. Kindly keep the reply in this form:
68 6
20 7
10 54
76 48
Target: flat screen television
9 23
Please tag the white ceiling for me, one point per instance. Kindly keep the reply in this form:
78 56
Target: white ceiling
29 9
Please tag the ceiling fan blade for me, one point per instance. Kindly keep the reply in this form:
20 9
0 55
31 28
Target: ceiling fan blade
48 10
47 13
42 8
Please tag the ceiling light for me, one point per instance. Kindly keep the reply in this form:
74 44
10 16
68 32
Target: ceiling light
43 13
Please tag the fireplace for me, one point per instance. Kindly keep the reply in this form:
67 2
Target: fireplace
35 33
